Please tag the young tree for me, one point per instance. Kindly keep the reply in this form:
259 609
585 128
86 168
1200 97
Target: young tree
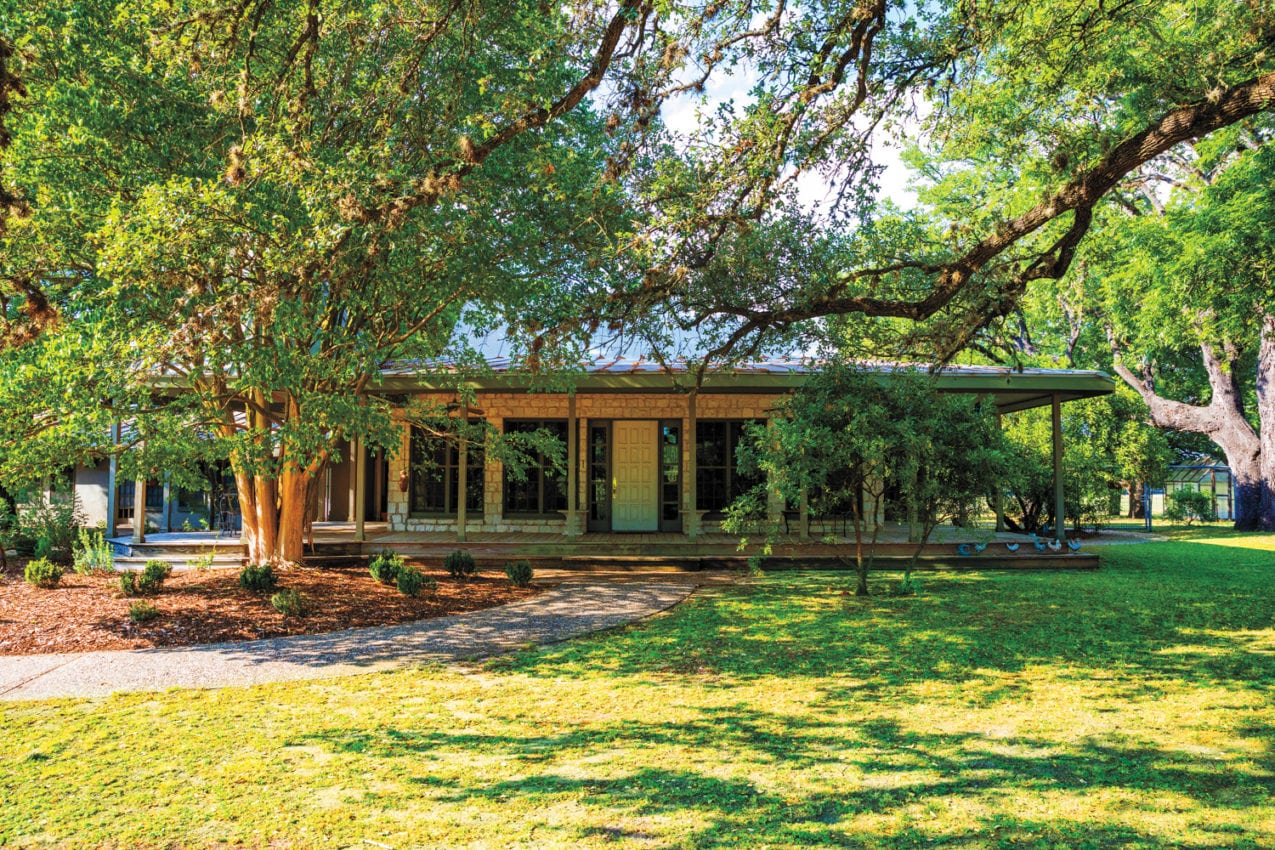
849 429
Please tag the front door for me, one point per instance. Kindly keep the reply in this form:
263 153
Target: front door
635 466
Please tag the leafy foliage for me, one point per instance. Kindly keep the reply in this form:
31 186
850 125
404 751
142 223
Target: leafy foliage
93 552
411 581
1188 506
258 578
140 612
42 572
385 567
519 573
848 435
290 603
459 564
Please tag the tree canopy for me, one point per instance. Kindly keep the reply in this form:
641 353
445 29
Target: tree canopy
222 221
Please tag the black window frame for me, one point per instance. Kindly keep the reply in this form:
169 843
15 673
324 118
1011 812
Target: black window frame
541 472
732 482
446 463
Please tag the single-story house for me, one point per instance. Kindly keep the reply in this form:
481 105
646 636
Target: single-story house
647 450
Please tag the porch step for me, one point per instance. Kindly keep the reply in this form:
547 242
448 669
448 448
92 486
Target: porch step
177 560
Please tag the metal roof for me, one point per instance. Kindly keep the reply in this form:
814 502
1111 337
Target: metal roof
1013 388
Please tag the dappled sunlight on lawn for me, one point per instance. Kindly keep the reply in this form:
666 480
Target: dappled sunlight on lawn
1124 708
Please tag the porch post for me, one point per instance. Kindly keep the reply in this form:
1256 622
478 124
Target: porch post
1060 518
692 517
112 483
572 527
999 493
360 490
803 520
139 510
168 503
462 475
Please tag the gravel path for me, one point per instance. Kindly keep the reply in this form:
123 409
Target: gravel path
571 609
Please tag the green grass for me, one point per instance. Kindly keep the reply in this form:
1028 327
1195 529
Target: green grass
1130 707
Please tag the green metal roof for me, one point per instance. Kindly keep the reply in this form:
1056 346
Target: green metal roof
1013 389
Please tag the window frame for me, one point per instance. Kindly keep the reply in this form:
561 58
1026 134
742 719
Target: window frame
734 434
542 477
474 469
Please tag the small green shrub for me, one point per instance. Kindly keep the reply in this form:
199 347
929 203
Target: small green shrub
411 581
142 612
385 567
459 564
152 577
128 584
43 548
93 552
203 563
43 573
1189 506
519 573
258 579
290 603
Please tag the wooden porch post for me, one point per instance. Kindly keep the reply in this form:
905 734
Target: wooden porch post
112 482
574 524
360 491
139 510
1060 517
692 518
999 495
462 474
168 504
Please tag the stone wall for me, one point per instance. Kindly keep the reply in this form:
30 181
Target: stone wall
498 407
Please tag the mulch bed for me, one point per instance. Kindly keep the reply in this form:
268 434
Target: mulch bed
86 613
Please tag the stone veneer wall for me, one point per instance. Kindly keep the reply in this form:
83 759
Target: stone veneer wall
501 406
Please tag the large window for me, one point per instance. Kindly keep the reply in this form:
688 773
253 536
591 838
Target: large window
435 476
717 480
544 489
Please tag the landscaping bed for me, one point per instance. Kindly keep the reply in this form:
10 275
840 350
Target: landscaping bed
88 612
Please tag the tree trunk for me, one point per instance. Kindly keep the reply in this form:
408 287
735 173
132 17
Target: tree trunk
1249 452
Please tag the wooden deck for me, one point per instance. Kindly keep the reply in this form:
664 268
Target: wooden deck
950 548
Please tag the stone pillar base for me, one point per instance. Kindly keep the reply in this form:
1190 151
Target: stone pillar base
693 524
574 526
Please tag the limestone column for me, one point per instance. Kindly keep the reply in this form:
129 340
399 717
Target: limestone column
360 489
462 475
139 510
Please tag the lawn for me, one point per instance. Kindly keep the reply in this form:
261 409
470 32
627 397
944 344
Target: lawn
1129 707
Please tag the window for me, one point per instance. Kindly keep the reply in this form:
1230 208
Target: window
435 476
544 489
717 481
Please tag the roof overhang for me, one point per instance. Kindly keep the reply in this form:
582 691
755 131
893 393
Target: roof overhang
1012 389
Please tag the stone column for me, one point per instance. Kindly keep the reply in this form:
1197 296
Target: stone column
692 519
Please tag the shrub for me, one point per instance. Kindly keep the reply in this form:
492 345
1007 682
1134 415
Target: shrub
1188 506
459 564
203 562
289 603
385 567
43 573
519 573
152 577
48 529
93 552
258 579
412 581
142 612
128 584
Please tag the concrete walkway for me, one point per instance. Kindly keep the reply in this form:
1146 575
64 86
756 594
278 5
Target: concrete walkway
573 608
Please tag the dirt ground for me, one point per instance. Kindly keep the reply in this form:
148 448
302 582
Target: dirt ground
85 613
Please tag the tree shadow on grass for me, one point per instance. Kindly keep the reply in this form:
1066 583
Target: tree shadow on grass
915 770
1201 624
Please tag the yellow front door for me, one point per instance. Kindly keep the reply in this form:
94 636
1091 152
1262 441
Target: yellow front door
635 467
